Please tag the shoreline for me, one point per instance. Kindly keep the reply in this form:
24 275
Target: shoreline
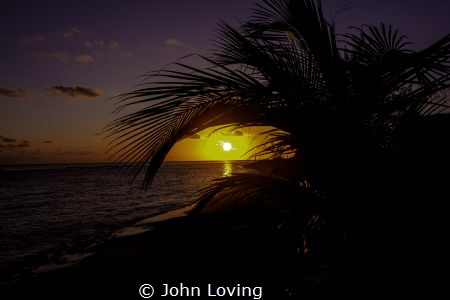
52 225
196 250
66 258
144 225
222 249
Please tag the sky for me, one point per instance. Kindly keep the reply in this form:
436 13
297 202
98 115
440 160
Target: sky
62 61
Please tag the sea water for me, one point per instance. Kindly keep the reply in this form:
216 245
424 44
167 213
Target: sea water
48 211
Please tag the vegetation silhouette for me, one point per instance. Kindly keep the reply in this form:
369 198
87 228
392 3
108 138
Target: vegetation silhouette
359 132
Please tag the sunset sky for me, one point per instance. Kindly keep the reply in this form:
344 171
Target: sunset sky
60 61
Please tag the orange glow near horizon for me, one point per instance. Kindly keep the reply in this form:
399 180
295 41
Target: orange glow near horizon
216 144
210 144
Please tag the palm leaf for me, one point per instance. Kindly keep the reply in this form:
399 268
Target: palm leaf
253 192
283 69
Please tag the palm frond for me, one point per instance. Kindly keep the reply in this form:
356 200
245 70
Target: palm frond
253 192
283 69
276 144
389 82
303 19
380 55
183 103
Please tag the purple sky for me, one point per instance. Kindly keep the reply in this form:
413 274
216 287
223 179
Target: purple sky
61 60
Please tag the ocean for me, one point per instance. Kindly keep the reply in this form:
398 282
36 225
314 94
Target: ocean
51 215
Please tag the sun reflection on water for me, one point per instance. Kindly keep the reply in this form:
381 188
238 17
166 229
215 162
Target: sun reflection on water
227 169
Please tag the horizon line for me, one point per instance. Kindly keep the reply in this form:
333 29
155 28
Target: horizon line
118 163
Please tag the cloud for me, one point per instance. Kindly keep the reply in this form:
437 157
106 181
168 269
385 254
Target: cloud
34 38
195 137
23 144
173 42
176 43
4 139
14 150
74 92
69 34
85 59
107 49
65 57
11 148
60 56
12 93
233 133
12 144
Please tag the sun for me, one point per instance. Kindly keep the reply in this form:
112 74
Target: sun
226 146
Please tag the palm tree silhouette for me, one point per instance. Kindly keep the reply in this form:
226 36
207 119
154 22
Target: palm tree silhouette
350 111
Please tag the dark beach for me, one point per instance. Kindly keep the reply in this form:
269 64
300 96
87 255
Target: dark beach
195 251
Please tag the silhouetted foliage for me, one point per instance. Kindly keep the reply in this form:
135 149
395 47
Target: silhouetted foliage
355 112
